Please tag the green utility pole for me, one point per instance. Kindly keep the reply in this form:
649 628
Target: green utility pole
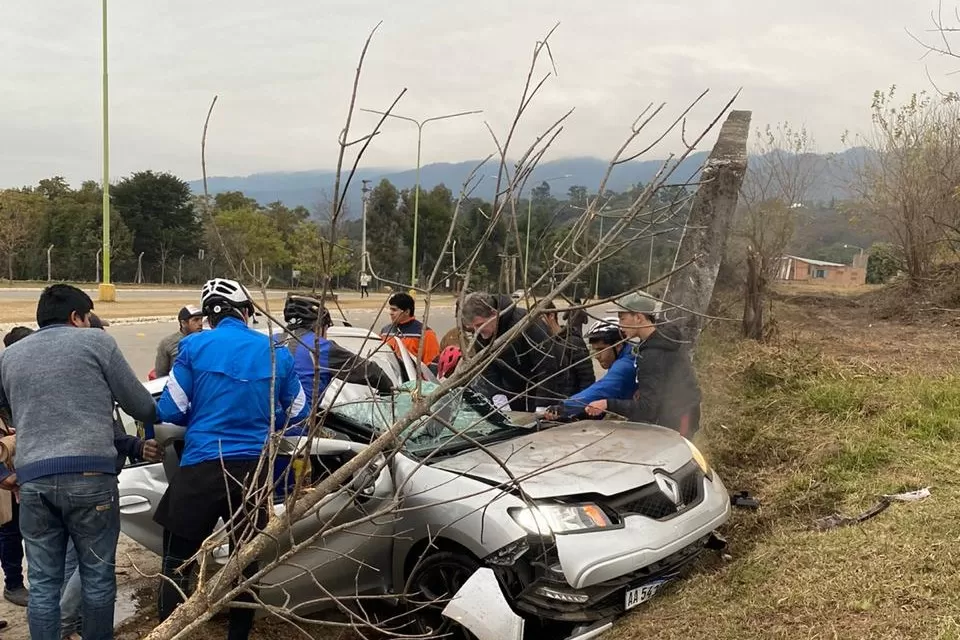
108 292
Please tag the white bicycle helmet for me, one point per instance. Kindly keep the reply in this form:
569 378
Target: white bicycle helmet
606 329
222 290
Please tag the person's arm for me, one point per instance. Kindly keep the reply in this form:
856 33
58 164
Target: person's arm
354 369
293 400
543 359
163 361
174 404
431 345
127 389
645 403
609 387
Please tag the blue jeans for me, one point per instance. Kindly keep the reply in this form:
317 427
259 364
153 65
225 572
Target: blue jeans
70 595
85 509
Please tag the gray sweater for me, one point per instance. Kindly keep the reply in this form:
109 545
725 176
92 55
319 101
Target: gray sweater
60 384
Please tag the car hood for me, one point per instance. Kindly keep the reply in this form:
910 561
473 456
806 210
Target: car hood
590 457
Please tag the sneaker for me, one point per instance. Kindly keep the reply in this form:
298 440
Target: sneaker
19 596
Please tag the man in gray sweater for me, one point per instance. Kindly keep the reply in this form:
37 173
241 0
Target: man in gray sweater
60 385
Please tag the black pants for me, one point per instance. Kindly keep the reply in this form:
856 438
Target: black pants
11 550
176 551
197 497
364 292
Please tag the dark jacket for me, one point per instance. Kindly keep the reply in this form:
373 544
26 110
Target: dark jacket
667 387
529 367
575 363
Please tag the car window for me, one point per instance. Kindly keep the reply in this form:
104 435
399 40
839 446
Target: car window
457 421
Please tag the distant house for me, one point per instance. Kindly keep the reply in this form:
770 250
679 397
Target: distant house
806 270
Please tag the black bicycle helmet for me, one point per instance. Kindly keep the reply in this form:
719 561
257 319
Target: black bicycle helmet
306 311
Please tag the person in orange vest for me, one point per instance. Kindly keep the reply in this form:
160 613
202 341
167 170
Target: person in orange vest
407 329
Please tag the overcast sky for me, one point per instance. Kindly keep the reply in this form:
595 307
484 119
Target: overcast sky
283 72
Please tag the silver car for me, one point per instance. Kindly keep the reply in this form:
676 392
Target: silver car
508 528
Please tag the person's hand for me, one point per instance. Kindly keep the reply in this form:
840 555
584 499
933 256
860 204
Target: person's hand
152 451
9 483
553 412
596 408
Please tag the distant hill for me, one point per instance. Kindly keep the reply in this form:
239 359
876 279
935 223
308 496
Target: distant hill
309 188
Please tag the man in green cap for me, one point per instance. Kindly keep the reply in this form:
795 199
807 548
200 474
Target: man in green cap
667 392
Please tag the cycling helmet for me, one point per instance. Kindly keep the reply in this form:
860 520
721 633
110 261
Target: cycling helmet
605 329
219 293
448 360
305 311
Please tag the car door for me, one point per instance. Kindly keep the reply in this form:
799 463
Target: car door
142 485
354 560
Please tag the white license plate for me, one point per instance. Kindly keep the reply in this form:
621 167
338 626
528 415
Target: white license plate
641 594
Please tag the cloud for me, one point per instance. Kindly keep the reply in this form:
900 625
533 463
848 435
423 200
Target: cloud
283 73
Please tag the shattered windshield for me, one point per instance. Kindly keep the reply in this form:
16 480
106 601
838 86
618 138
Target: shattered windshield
458 421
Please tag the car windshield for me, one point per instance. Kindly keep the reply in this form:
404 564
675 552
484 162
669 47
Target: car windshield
460 420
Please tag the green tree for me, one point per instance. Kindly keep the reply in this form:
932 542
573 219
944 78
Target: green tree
248 237
312 254
386 232
435 214
21 214
158 210
234 200
884 261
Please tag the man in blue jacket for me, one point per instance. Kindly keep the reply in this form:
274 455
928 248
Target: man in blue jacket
219 389
609 346
308 322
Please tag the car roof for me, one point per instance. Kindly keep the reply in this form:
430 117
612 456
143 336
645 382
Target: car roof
354 339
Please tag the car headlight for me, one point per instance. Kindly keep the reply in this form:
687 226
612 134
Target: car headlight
547 519
701 460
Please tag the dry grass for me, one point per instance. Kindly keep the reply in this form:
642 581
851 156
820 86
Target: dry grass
840 411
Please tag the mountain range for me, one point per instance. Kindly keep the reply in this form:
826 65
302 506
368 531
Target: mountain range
311 188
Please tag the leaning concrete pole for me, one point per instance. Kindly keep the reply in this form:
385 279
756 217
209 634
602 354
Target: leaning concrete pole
705 234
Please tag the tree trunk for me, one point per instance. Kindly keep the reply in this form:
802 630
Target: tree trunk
10 266
753 298
705 234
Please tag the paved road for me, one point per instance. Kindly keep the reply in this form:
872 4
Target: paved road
139 341
32 293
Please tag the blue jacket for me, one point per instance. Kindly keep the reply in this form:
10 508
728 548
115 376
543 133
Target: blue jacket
619 383
219 389
303 362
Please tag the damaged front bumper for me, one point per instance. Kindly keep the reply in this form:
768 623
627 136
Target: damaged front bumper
481 608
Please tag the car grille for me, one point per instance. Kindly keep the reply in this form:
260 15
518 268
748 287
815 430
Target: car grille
604 600
652 502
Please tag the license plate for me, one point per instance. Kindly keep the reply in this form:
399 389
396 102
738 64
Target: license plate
641 594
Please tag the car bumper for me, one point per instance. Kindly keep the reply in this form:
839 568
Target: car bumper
551 598
597 557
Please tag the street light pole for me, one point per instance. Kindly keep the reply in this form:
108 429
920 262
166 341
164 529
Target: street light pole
363 233
416 194
108 292
596 286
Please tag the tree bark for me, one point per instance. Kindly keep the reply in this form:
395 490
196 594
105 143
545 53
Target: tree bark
753 298
705 234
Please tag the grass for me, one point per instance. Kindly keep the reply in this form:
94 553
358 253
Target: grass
811 432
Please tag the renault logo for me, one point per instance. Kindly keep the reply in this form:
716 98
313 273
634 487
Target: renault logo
668 487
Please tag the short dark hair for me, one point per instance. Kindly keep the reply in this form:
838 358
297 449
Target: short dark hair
402 301
16 334
59 301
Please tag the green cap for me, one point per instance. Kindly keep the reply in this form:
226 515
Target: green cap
637 302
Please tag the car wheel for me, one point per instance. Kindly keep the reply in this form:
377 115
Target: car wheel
431 585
